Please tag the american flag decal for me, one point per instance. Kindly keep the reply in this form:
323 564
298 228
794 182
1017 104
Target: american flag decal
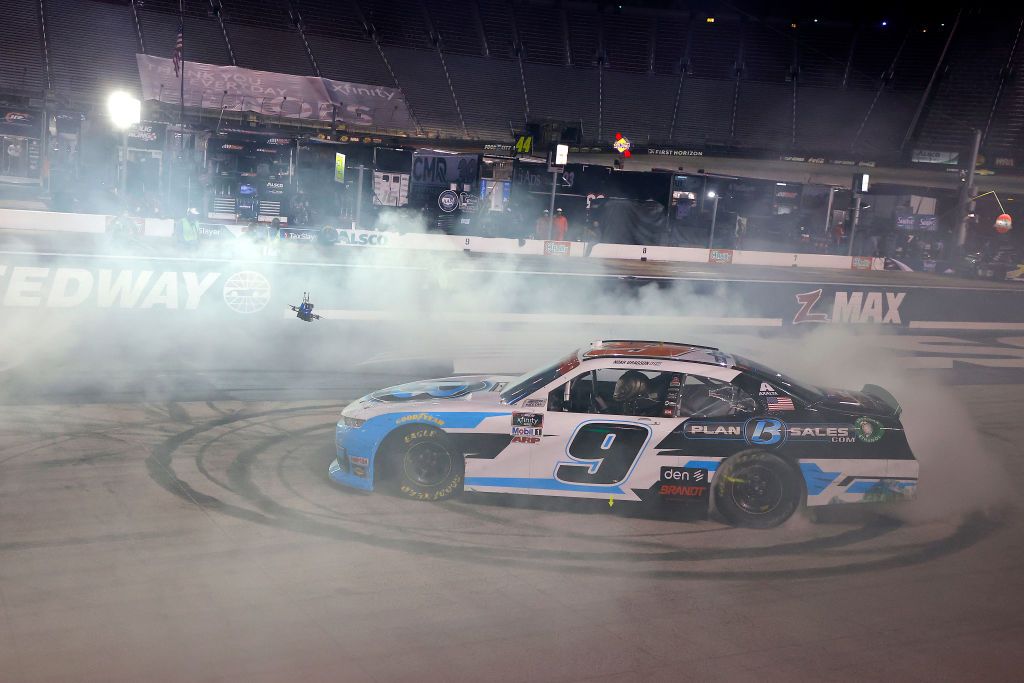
179 47
780 403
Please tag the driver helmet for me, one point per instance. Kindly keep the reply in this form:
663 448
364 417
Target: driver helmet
630 386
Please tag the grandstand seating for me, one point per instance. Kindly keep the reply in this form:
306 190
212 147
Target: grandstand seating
823 52
496 16
705 111
456 22
764 115
422 79
541 33
964 96
714 49
23 67
204 42
473 67
767 52
92 47
628 41
490 93
1007 131
670 37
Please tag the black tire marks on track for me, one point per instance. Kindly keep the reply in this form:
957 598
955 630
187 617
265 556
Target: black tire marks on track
971 529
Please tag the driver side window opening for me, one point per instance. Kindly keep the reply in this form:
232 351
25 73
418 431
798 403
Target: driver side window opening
632 392
614 391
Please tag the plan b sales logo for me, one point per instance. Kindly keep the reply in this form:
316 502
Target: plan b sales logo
850 307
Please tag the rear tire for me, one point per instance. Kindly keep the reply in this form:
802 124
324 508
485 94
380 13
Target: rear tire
426 465
757 490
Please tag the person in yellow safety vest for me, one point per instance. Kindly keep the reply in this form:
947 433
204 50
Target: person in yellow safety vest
190 229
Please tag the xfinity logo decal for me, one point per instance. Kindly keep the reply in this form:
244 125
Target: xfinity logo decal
851 307
26 286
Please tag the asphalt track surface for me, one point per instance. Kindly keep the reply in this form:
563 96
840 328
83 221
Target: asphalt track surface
202 541
185 529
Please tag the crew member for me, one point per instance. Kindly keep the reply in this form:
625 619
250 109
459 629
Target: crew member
543 224
190 229
560 226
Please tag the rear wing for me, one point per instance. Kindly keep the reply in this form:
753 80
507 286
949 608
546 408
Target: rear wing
883 395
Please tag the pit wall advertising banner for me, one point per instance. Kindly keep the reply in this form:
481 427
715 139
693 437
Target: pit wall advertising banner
232 88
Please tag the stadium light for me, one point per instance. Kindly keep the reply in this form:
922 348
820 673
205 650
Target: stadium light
123 109
714 217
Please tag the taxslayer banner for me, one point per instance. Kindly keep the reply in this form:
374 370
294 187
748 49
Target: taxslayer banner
233 88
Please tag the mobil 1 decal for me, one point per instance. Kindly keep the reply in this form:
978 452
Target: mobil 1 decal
603 453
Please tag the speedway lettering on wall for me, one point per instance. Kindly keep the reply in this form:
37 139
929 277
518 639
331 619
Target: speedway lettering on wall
243 291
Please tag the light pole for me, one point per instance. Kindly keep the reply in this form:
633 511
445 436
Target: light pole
714 216
124 111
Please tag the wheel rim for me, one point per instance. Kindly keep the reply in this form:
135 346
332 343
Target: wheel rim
427 464
757 490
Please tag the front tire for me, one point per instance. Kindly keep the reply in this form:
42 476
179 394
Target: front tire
427 466
757 490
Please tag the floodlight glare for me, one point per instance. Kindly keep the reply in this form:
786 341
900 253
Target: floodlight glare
711 194
123 109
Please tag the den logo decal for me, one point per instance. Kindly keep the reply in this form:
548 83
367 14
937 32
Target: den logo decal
851 307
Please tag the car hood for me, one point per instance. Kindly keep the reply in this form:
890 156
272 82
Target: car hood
444 394
872 401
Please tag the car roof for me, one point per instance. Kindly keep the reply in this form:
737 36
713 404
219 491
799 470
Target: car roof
656 350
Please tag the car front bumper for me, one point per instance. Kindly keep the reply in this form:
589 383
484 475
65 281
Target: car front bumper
353 462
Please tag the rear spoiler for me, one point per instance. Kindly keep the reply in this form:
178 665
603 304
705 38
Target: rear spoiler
880 393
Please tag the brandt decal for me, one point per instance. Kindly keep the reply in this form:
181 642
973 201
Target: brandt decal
851 307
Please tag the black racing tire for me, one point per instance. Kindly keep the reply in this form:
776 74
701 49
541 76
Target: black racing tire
425 465
757 490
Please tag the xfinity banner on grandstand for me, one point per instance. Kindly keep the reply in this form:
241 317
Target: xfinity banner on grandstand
233 88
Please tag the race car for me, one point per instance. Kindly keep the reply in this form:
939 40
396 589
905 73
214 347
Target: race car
645 421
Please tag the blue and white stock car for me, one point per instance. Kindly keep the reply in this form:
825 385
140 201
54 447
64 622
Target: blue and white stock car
633 421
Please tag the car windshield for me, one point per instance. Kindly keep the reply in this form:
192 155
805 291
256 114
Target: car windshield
526 384
805 392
